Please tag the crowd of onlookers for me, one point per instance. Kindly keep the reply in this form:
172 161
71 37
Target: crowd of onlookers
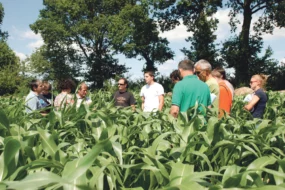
195 84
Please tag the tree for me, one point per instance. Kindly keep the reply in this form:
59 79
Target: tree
143 39
79 31
202 42
52 63
3 35
197 16
10 80
241 52
7 56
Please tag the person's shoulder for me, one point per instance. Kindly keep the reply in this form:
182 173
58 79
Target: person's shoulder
260 92
157 84
30 95
144 87
116 93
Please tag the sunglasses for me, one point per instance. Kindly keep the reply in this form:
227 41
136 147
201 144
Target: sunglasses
120 84
197 72
252 81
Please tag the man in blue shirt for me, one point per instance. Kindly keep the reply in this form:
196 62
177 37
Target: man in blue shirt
33 101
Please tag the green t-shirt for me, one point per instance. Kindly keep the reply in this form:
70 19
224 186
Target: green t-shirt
214 89
189 90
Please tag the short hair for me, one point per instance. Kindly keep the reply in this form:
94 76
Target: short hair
186 65
217 74
222 72
46 85
175 74
66 84
151 73
125 81
82 84
34 84
204 64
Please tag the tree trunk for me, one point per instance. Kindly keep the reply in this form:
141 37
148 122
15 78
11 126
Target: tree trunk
242 70
149 63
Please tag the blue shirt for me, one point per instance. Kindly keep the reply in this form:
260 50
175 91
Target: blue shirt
259 107
32 102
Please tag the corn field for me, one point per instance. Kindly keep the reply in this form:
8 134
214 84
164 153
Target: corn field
104 147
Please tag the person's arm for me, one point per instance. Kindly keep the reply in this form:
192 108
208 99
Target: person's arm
161 102
132 102
142 102
252 103
174 110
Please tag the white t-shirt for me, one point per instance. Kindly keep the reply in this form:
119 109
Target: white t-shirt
86 101
151 95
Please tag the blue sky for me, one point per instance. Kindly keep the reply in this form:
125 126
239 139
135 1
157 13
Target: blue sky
19 14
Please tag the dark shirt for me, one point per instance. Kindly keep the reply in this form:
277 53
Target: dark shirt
44 103
259 107
124 99
49 97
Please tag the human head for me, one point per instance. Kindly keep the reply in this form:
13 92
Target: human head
149 77
82 90
122 84
185 67
217 75
66 85
203 69
36 86
175 76
46 87
258 81
222 71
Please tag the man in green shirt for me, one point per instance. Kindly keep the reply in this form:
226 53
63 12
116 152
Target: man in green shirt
203 70
189 90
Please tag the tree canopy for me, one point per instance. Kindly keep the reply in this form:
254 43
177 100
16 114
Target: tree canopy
241 52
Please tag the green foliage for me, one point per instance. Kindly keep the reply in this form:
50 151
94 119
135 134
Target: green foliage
197 17
104 147
142 38
3 35
78 34
7 56
241 52
256 64
202 41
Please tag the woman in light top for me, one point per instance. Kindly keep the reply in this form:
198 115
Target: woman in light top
258 101
65 98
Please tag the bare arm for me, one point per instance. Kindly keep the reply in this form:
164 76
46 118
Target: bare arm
252 103
174 110
142 102
161 102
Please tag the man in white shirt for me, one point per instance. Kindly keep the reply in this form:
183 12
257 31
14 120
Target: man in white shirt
152 94
81 95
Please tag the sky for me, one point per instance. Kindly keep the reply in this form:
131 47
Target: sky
19 14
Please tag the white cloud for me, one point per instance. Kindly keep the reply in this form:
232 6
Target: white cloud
277 33
22 56
25 34
179 33
170 65
31 35
282 60
36 44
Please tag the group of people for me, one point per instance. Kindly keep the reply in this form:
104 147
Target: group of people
195 83
41 98
210 88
